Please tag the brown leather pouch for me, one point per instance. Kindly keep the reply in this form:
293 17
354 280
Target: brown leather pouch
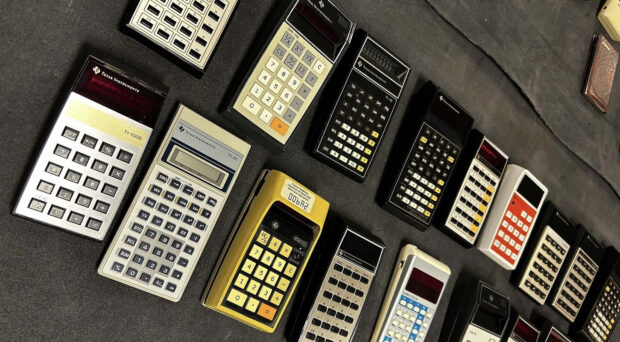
600 71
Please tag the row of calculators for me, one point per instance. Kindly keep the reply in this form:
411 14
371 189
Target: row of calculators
448 175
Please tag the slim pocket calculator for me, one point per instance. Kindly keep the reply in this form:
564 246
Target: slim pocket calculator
549 333
521 330
470 195
510 221
267 252
577 274
597 321
335 296
309 39
173 213
412 297
545 255
430 158
83 170
188 30
369 89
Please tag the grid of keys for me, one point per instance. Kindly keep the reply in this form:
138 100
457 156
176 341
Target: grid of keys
575 286
166 233
605 315
262 283
189 29
410 321
425 174
514 229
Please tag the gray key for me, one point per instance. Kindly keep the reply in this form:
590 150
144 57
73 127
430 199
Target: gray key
290 61
62 151
93 224
289 116
73 176
130 240
151 264
279 52
297 103
53 169
107 149
57 212
125 156
138 228
298 48
311 79
70 133
45 187
145 277
138 259
158 282
301 70
117 173
81 158
123 253
109 190
65 194
91 183
99 166
37 205
287 39
89 141
75 218
83 200
132 272
308 58
118 267
304 91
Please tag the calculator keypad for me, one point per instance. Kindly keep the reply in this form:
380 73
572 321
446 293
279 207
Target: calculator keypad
409 321
283 84
189 29
606 313
356 127
426 172
165 234
575 285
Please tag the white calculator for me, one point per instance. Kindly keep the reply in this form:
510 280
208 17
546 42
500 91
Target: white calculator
412 298
176 207
189 30
92 151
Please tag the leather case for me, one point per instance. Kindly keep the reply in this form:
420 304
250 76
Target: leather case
600 71
609 16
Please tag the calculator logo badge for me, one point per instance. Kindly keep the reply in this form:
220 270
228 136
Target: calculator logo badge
96 70
321 4
181 129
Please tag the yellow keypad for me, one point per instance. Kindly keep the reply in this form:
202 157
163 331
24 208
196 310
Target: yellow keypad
286 250
241 281
278 265
248 266
253 287
256 251
265 292
267 258
276 299
283 284
289 271
252 305
260 273
236 297
272 278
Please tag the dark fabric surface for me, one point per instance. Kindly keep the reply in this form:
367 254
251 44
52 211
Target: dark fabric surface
51 290
543 47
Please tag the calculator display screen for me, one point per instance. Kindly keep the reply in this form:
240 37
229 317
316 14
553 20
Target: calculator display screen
362 249
491 155
193 164
382 60
525 331
530 191
489 320
424 285
555 337
451 114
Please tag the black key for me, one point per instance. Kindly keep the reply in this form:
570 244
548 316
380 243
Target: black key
176 244
316 322
325 325
347 272
194 237
337 299
157 221
342 285
200 196
125 156
327 294
182 232
179 44
338 268
345 302
343 333
198 6
359 293
158 282
188 190
156 190
207 28
163 208
89 141
332 281
201 225
201 41
170 226
130 240
164 269
153 10
164 239
158 252
118 267
70 133
322 308
182 202
348 319
170 21
331 312
132 272
143 215
169 196
364 280
123 253
212 201
177 275
356 276
151 264
205 213
189 250
149 202
350 289
162 177
194 207
183 262
138 259
171 257
334 329
175 183
192 18
340 316
188 220
220 4
354 306
214 16
310 336
145 246
171 287
150 233
109 190
176 214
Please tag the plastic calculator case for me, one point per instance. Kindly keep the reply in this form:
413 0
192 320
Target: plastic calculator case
308 40
88 159
267 251
173 213
334 292
545 254
550 333
185 31
601 308
509 225
420 168
470 194
609 16
409 306
520 329
577 275
479 314
359 104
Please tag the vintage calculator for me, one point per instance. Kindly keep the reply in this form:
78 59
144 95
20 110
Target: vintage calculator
601 310
368 87
544 256
267 252
418 186
412 297
467 201
173 214
509 225
577 275
481 314
188 30
549 333
94 147
309 39
609 16
521 330
335 295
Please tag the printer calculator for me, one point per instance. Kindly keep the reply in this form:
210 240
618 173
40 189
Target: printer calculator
509 225
369 85
82 172
521 330
309 39
418 186
472 190
189 30
577 274
335 295
545 255
412 297
176 207
267 252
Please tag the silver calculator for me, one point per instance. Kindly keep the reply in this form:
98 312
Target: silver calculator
176 207
83 170
186 29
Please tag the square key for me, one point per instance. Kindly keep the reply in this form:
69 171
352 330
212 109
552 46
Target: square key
287 39
260 273
241 281
117 267
91 183
176 244
319 67
99 166
272 278
81 158
294 82
145 246
236 297
89 141
188 249
304 91
109 190
125 156
56 211
297 103
276 299
158 282
70 133
263 237
150 233
252 305
138 259
279 108
274 244
194 237
283 284
53 169
283 74
256 90
73 176
183 262
171 287
301 70
62 151
45 187
171 257
36 204
253 287
117 173
267 258
201 225
272 64
83 200
65 194
278 265
311 79
289 116
286 250
268 99
131 272
107 149
289 271
298 49
275 86
266 116
177 274
130 240
145 277
75 218
248 266
308 58
265 292
290 62
123 253
102 207
163 269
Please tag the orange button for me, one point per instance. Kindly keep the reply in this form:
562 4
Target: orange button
266 311
279 126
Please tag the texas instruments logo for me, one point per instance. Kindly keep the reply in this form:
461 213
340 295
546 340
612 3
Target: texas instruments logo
96 70
321 3
181 129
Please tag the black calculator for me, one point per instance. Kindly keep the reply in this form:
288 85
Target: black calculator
367 88
429 159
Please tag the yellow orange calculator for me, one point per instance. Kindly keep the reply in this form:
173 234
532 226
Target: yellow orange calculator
267 251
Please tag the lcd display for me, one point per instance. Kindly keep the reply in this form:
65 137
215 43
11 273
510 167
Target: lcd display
492 156
386 63
525 331
554 336
424 285
530 191
199 167
362 249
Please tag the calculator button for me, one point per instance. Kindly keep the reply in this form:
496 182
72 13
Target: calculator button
278 265
37 205
283 74
286 250
117 173
308 58
65 194
256 91
279 108
290 62
73 176
264 77
253 287
319 67
102 207
272 64
212 201
99 166
125 156
109 190
283 284
252 304
266 311
91 183
45 187
289 271
131 272
241 281
56 211
276 299
171 287
188 190
75 218
237 297
265 292
267 99
294 82
260 272
311 79
265 115
107 149
287 39
83 200
304 91
279 126
297 103
201 225
62 151
89 141
267 258
248 266
70 133
279 52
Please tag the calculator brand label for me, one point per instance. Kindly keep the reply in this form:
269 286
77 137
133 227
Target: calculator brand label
297 195
378 77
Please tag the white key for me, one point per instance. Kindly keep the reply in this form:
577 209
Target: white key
502 248
338 144
413 205
359 146
416 176
529 219
496 243
417 197
427 194
431 186
514 256
512 242
343 159
256 90
347 150
342 136
351 141
352 164
505 224
409 192
413 184
511 228
294 82
507 238
264 77
406 200
518 247
283 74
346 127
286 95
334 153
425 202
363 138
525 228
399 312
268 99
251 105
521 237
272 64
514 219
420 189
523 214
356 155
410 306
520 223
275 86
508 252
421 210
319 67
424 181
279 108
266 115
403 303
355 133
509 214
501 233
